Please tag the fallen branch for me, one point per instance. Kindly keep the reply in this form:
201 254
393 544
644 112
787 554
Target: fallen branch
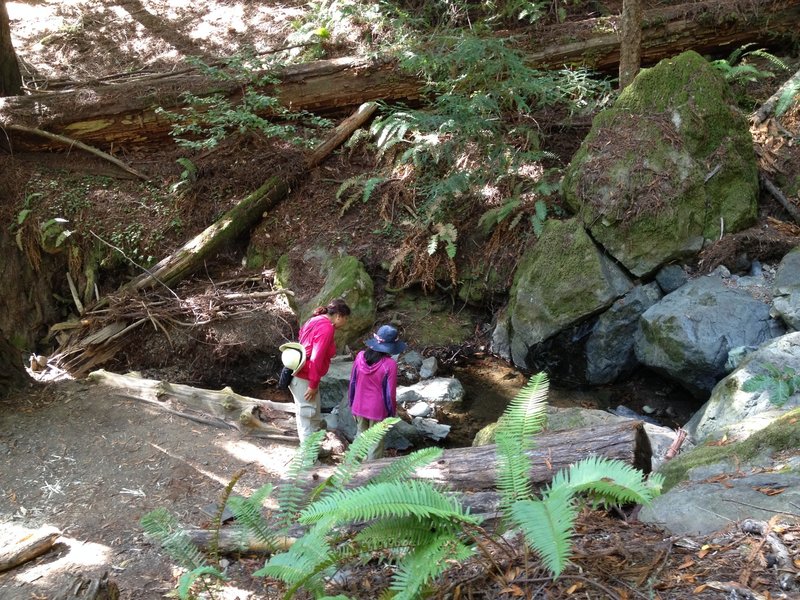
776 193
26 545
78 144
783 559
768 108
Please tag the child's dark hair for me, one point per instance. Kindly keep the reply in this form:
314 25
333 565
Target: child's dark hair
373 356
337 306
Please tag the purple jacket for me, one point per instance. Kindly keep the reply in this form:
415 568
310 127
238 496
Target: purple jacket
373 389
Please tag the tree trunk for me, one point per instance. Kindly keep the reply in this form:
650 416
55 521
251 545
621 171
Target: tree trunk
10 78
474 469
12 373
91 588
123 113
223 408
630 53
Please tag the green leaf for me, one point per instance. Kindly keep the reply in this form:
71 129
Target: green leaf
187 579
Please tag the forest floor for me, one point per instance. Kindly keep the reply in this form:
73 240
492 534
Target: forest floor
91 463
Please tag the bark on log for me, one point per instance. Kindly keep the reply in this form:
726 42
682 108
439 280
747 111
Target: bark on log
224 408
473 469
93 588
24 545
470 474
123 114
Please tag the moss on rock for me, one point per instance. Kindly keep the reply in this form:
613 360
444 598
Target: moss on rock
669 165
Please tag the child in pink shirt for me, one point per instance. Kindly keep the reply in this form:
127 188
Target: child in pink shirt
373 381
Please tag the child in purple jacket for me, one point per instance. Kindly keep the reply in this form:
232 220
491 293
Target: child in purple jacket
373 382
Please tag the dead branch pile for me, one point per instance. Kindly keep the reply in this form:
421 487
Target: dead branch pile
194 304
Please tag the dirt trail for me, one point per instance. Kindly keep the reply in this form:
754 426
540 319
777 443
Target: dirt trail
90 463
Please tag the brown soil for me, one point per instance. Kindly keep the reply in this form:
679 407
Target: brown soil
92 463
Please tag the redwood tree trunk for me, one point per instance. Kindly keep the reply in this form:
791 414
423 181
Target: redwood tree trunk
10 78
630 51
12 373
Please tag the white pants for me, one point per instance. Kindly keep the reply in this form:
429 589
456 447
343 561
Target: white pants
307 414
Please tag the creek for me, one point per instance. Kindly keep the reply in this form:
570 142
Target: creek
491 383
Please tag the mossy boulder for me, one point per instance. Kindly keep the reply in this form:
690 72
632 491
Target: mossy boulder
736 413
561 281
319 278
670 165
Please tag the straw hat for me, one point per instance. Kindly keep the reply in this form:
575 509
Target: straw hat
293 356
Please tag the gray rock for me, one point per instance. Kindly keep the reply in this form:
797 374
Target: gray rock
420 409
412 358
736 413
660 202
671 277
701 508
551 293
609 348
687 336
431 428
786 290
433 391
429 367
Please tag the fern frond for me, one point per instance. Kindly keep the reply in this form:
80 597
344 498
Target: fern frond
306 562
402 532
608 481
160 525
391 499
216 522
547 526
250 519
524 417
357 453
187 579
290 495
424 563
403 468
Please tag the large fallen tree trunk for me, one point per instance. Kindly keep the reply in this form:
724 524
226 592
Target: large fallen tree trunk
123 114
224 408
474 469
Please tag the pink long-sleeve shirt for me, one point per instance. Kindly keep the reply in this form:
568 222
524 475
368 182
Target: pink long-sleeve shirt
317 338
373 388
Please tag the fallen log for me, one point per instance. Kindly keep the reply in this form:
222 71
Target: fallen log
474 469
223 408
81 351
88 588
19 545
123 114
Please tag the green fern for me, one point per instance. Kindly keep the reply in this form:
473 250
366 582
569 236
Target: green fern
358 452
162 526
547 526
522 420
780 384
249 518
291 496
547 523
404 467
418 499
